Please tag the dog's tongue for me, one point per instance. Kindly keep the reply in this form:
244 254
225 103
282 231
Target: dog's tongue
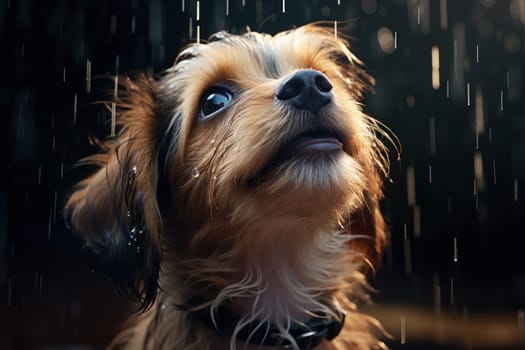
311 144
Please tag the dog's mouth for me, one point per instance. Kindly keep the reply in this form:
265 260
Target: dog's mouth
310 143
319 144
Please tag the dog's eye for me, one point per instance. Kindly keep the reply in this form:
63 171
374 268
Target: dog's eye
214 101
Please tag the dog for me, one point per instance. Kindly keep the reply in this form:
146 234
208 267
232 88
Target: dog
239 202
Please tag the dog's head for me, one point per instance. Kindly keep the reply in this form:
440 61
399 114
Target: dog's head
246 140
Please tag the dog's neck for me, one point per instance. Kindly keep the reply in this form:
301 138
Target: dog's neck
278 270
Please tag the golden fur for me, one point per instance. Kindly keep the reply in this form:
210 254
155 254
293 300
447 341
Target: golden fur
183 207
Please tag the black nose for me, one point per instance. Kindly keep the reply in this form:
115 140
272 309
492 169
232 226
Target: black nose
306 89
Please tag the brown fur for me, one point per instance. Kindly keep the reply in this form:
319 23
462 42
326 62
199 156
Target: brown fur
183 207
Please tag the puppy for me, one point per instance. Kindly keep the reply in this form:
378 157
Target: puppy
239 202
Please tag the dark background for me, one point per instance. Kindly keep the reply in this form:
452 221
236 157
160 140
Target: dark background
454 274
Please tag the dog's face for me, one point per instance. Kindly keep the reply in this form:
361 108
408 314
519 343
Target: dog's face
249 143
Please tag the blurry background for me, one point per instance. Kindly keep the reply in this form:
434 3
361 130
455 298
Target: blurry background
450 80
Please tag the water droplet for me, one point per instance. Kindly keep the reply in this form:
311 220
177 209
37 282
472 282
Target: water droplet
403 329
195 173
456 255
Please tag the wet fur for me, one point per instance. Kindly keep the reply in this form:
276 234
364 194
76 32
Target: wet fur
279 244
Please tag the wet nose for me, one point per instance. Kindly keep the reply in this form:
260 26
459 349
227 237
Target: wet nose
306 89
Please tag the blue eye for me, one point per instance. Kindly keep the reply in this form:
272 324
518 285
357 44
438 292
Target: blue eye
213 101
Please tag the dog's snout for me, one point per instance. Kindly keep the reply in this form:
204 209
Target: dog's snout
306 89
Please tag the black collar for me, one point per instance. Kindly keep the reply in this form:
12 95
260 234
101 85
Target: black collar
307 335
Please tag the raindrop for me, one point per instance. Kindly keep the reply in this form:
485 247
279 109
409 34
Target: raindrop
411 186
403 329
115 81
501 100
190 28
117 64
113 24
133 21
335 29
88 76
429 173
198 11
64 75
417 221
478 172
75 100
195 173
184 5
228 8
113 118
443 14
494 171
395 40
39 174
456 255
435 67
508 80
407 253
515 190
468 94
284 6
62 170
480 123
521 320
49 223
53 143
448 89
437 294
198 33
477 53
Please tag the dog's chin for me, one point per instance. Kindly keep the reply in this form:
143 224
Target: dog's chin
312 170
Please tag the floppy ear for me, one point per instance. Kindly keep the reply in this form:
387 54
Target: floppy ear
368 225
115 210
